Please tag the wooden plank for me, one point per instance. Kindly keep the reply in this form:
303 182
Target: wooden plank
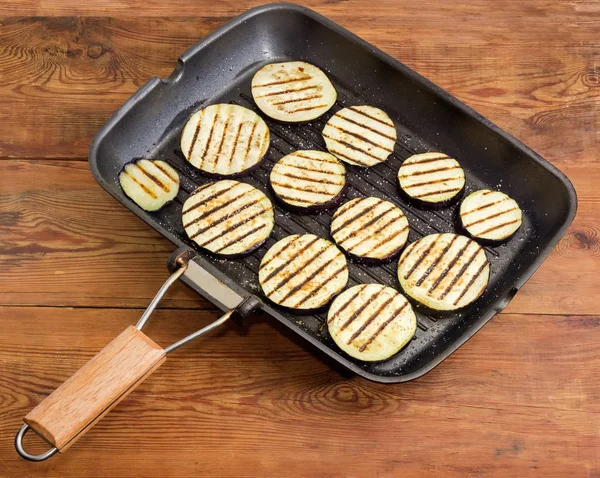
75 71
520 399
66 242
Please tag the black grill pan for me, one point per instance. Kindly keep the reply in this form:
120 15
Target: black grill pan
219 69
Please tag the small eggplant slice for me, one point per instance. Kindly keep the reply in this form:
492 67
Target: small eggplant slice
293 91
370 228
228 217
444 271
303 272
149 183
490 215
309 180
225 140
371 322
432 178
360 135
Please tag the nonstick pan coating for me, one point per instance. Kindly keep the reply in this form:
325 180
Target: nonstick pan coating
220 68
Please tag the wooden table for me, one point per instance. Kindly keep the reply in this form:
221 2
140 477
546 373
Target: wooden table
522 398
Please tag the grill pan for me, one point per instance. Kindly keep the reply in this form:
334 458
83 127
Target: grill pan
219 69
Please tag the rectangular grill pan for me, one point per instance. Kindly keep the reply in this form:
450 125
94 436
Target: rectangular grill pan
219 69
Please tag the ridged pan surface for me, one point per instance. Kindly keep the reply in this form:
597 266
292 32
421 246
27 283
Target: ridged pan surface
219 69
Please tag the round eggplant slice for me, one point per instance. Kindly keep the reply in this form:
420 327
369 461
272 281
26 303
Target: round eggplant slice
149 183
432 178
371 322
370 229
444 271
225 140
308 179
490 215
360 135
228 217
294 91
303 272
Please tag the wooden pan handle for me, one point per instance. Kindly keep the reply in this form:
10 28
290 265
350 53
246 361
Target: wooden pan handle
75 407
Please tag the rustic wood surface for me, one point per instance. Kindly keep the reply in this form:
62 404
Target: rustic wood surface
522 398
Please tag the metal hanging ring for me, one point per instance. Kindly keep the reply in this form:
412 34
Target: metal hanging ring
28 456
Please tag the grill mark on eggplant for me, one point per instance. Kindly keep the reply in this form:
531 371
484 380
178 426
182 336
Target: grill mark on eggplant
281 251
425 183
223 219
242 237
291 275
195 137
312 170
473 279
355 148
369 320
338 271
347 303
231 228
485 206
421 258
208 141
485 193
153 178
449 267
249 145
382 327
423 161
460 273
408 251
297 100
501 213
199 189
364 228
420 173
148 191
388 238
209 198
436 262
350 160
284 92
366 115
434 193
497 227
277 270
359 137
307 108
235 143
357 123
223 136
317 159
215 209
360 310
312 180
297 188
306 280
165 172
354 218
283 82
292 199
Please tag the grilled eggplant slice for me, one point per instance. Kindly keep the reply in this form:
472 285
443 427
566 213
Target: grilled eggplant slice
360 135
370 228
371 322
225 140
309 180
431 178
303 272
294 91
490 215
444 271
228 217
149 183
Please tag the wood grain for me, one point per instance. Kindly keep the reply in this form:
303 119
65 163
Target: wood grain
520 399
83 399
66 242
